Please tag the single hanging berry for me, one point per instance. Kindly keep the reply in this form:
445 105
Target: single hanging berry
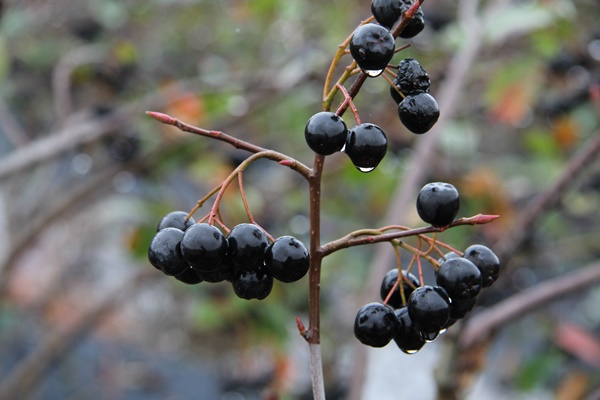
386 12
366 146
438 203
255 284
287 259
429 309
325 133
247 244
375 325
372 47
204 247
419 112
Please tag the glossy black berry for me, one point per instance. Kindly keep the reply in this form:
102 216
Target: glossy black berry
325 133
375 325
418 112
389 280
460 278
460 308
255 284
372 46
438 203
487 262
386 12
407 338
175 219
204 247
247 244
429 308
366 146
164 251
410 79
287 259
223 272
189 276
416 25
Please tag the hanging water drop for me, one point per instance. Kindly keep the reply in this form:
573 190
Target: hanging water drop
410 351
365 169
373 73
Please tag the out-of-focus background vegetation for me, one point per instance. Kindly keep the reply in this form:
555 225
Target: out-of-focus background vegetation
85 176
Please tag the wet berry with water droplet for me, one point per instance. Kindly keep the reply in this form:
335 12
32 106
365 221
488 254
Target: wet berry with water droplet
247 244
372 47
287 259
325 133
255 284
460 278
487 262
429 308
204 247
418 112
164 251
366 146
407 338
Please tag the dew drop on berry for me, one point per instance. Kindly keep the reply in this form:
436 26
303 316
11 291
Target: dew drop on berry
365 170
373 73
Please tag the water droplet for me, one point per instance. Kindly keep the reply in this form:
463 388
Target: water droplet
365 169
442 331
343 149
410 351
429 337
373 72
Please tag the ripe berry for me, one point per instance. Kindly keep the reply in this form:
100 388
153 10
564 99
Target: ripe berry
460 278
407 338
372 46
287 259
164 251
386 12
189 276
175 219
366 146
418 112
247 244
375 325
487 262
416 25
389 280
204 247
438 203
410 79
325 133
429 308
256 284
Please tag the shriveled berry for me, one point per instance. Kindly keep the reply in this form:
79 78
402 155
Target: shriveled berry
487 262
287 259
389 280
429 308
407 338
247 244
325 133
204 247
416 25
372 46
460 278
164 251
438 203
255 284
366 146
410 79
375 325
418 112
189 276
175 219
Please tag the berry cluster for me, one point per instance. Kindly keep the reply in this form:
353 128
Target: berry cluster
196 252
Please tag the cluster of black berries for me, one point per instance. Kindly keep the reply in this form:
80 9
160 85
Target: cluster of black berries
196 252
365 144
429 309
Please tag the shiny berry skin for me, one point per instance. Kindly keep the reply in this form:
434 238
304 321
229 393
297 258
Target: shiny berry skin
223 273
386 12
247 244
407 338
255 284
429 308
460 278
366 146
487 262
175 219
372 47
410 79
416 25
287 259
375 325
164 251
460 308
389 280
438 203
325 133
189 276
419 112
204 247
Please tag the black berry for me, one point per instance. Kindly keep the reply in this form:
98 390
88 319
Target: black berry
204 247
389 280
366 146
372 46
418 112
386 12
460 308
164 251
247 244
325 133
287 259
223 272
189 276
429 309
487 262
175 219
438 203
375 325
255 284
416 25
407 338
410 79
460 278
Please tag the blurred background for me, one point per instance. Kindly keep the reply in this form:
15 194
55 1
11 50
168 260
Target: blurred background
85 176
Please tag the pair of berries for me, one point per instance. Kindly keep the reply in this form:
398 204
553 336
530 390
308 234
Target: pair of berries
365 144
195 252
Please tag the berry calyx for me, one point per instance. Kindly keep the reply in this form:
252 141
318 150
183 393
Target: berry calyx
429 308
410 79
418 112
325 133
407 338
460 278
438 203
204 247
487 262
287 259
247 244
375 325
255 284
164 252
175 219
388 282
366 146
372 47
